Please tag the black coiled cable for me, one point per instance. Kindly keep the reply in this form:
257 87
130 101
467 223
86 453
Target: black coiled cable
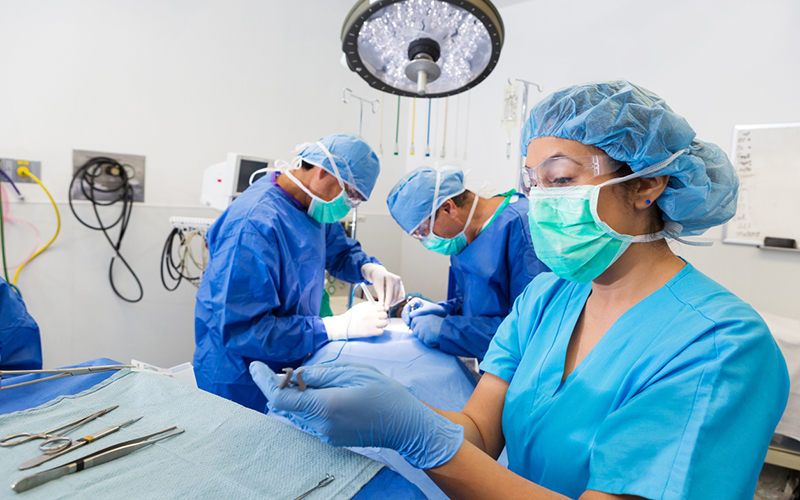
174 268
88 176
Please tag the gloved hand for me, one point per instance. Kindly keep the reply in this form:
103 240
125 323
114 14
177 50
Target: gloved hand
356 405
427 329
367 319
421 307
388 286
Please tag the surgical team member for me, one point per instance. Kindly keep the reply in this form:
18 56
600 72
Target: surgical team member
261 293
625 373
20 344
491 256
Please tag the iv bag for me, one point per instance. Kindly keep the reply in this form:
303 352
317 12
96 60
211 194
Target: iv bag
510 106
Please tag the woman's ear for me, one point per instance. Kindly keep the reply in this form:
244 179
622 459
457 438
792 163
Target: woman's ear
649 189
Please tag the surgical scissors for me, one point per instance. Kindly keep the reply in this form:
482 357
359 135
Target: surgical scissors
53 435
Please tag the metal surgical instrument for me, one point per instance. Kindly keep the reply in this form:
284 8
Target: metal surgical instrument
100 457
60 373
75 444
325 482
53 435
288 379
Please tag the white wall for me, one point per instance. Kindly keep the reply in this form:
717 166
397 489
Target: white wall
185 81
718 63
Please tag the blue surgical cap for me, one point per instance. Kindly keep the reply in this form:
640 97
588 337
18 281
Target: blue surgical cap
635 126
411 199
357 163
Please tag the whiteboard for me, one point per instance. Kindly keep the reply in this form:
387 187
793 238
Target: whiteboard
767 159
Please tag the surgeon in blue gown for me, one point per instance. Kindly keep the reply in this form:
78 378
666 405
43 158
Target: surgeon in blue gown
624 373
492 258
261 292
20 345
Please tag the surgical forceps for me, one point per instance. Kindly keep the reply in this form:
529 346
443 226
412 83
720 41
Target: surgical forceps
113 452
325 482
53 435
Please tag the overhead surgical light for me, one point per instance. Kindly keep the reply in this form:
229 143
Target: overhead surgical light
431 48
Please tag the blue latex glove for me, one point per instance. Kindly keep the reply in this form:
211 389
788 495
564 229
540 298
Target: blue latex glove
427 329
421 307
356 405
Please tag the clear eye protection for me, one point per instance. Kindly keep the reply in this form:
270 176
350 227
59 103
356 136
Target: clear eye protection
566 172
423 230
344 176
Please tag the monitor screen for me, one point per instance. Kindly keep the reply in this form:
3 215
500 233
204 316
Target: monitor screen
246 169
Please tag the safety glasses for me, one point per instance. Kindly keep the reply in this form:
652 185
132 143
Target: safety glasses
566 172
351 196
423 230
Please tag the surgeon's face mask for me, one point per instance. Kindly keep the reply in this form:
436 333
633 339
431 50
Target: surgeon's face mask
568 235
327 212
434 243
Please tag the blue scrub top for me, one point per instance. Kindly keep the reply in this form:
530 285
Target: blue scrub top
485 279
679 399
20 344
262 289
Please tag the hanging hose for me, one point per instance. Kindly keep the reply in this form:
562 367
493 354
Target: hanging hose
428 140
88 176
413 124
24 172
444 137
397 130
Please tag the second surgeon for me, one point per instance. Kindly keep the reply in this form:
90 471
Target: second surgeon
492 258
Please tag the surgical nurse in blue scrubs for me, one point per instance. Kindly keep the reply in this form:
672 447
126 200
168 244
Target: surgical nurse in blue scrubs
20 344
625 373
261 293
491 256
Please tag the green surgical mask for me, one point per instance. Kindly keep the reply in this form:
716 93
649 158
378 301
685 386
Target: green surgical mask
322 211
568 235
449 246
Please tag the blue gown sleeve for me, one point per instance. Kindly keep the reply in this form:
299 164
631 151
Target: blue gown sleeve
701 427
344 257
252 325
20 343
471 335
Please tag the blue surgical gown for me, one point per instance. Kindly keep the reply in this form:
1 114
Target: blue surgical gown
262 289
485 279
679 399
20 345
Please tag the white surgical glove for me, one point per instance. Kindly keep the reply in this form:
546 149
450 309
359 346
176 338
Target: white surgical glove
388 286
367 319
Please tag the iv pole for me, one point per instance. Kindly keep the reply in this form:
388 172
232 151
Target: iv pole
525 85
354 222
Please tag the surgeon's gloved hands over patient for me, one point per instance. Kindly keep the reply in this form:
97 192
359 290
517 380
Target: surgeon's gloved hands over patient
427 329
420 307
388 286
356 405
367 319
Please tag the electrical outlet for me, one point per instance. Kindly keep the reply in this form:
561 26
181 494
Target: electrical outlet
10 167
